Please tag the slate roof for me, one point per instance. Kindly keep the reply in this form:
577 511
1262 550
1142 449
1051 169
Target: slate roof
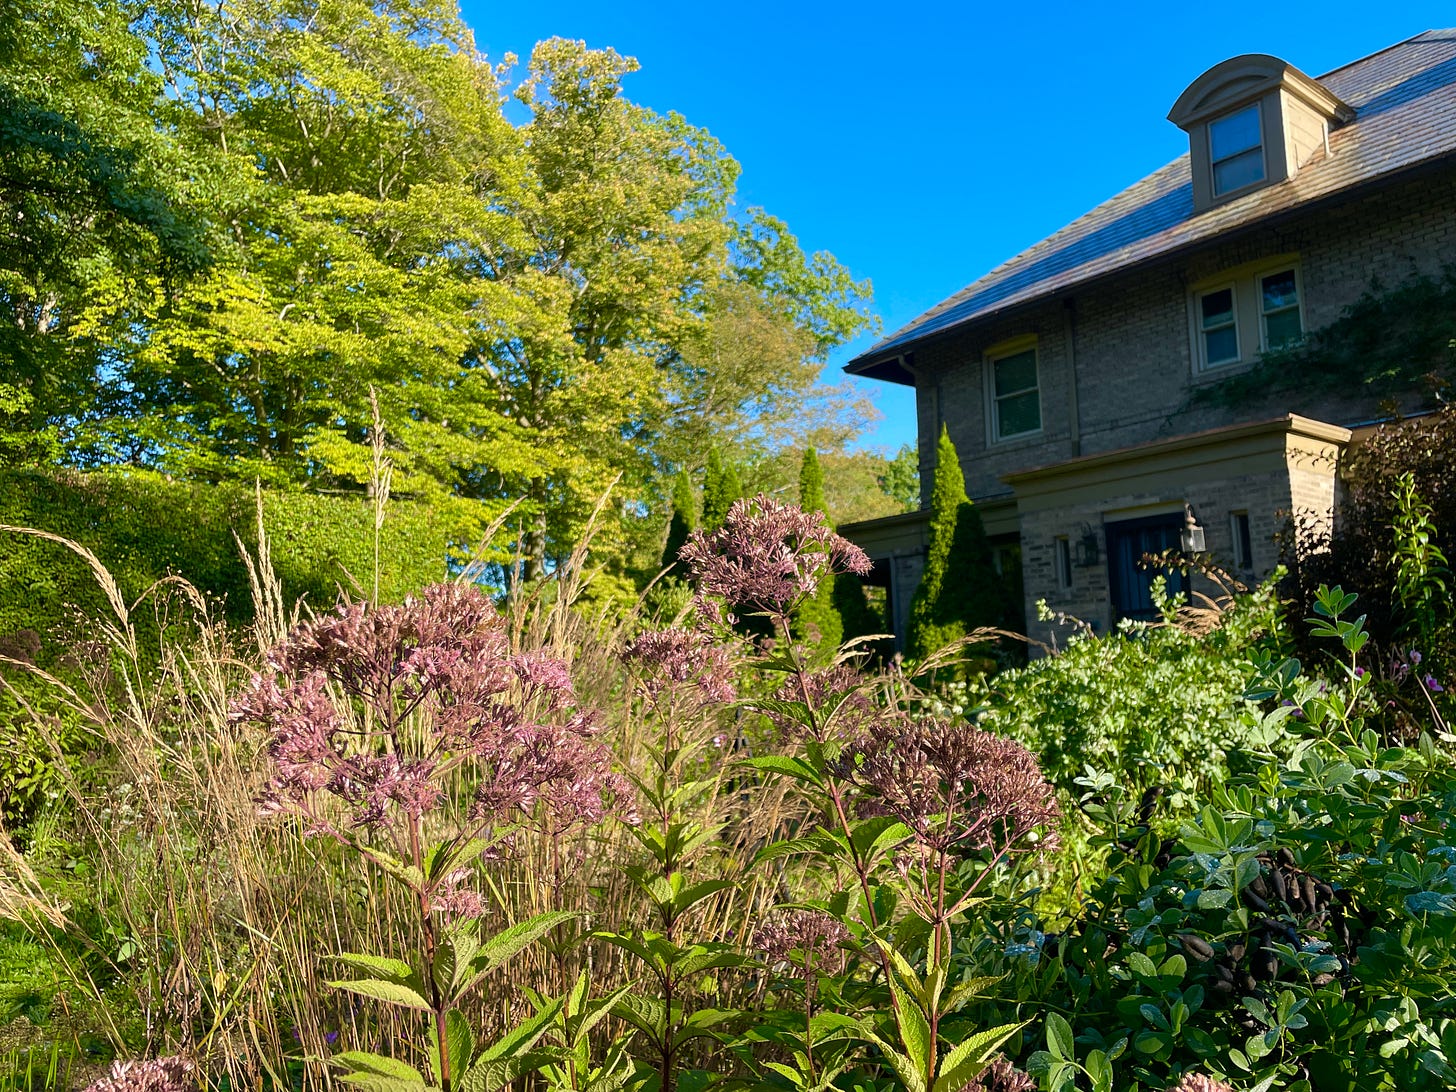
1404 99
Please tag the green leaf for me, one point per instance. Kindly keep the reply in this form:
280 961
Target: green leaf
787 765
914 1030
382 990
521 1038
498 950
363 1061
459 1044
970 1056
393 970
646 1014
1059 1037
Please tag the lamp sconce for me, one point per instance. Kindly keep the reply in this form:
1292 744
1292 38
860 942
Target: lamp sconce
1087 548
1191 539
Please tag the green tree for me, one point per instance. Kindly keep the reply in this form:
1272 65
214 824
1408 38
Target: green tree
818 619
900 478
721 487
95 188
682 523
959 589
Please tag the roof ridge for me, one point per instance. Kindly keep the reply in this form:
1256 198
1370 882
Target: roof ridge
1378 52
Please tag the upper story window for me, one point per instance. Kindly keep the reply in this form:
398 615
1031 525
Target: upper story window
1236 150
1015 391
1253 121
1245 312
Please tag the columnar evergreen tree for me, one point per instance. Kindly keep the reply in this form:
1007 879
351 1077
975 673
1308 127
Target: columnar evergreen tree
818 619
959 589
721 487
683 521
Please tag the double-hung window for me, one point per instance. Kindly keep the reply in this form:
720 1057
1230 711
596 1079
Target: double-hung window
1015 394
1279 309
1252 310
1219 327
1236 150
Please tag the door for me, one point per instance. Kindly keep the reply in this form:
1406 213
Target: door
1127 541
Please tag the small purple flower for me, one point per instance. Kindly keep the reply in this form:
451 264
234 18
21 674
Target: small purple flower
1415 657
1432 685
1360 672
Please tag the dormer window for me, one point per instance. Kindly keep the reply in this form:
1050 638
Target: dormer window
1236 150
1251 122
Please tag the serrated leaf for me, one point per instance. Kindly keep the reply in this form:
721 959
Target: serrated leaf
392 970
379 989
970 1056
364 1061
496 951
914 1030
459 1045
787 765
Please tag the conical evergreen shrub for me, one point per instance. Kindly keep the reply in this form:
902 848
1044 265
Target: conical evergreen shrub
959 589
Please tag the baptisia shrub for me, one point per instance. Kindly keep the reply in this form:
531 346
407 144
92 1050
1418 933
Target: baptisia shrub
393 712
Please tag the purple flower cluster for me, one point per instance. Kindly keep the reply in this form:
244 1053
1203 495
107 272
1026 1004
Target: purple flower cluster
667 659
802 938
376 705
766 557
958 788
154 1075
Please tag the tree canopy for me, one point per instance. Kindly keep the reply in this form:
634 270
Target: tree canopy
236 222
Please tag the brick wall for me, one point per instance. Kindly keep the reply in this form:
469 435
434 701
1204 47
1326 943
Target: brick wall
1133 345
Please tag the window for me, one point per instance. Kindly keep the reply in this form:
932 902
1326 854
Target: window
1220 327
1236 150
1015 397
1279 309
1243 542
1256 308
1064 563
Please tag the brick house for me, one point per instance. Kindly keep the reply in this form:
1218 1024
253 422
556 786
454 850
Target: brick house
1073 379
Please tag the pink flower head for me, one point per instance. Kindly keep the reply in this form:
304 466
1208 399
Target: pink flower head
766 557
955 786
154 1075
673 657
806 940
376 705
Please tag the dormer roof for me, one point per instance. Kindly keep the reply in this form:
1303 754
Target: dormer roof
1403 102
1240 80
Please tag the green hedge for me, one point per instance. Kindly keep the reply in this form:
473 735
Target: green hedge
144 526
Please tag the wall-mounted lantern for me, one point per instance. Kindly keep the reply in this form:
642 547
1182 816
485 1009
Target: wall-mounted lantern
1191 538
1087 549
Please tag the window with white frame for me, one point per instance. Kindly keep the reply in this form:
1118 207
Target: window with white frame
1255 309
1219 327
1015 394
1279 309
1236 150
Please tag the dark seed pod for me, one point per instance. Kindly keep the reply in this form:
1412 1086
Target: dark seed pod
1322 980
1286 857
1259 887
1248 984
1276 881
1252 900
1196 947
1236 951
1223 973
1306 887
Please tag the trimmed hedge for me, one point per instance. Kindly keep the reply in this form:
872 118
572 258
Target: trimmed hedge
144 526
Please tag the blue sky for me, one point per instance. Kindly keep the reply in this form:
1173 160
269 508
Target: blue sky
923 144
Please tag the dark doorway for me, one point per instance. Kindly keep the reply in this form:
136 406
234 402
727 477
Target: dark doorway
1127 541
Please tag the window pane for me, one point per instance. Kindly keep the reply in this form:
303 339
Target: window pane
1279 291
1234 134
1282 327
1018 414
1218 308
1241 170
1016 373
1221 346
